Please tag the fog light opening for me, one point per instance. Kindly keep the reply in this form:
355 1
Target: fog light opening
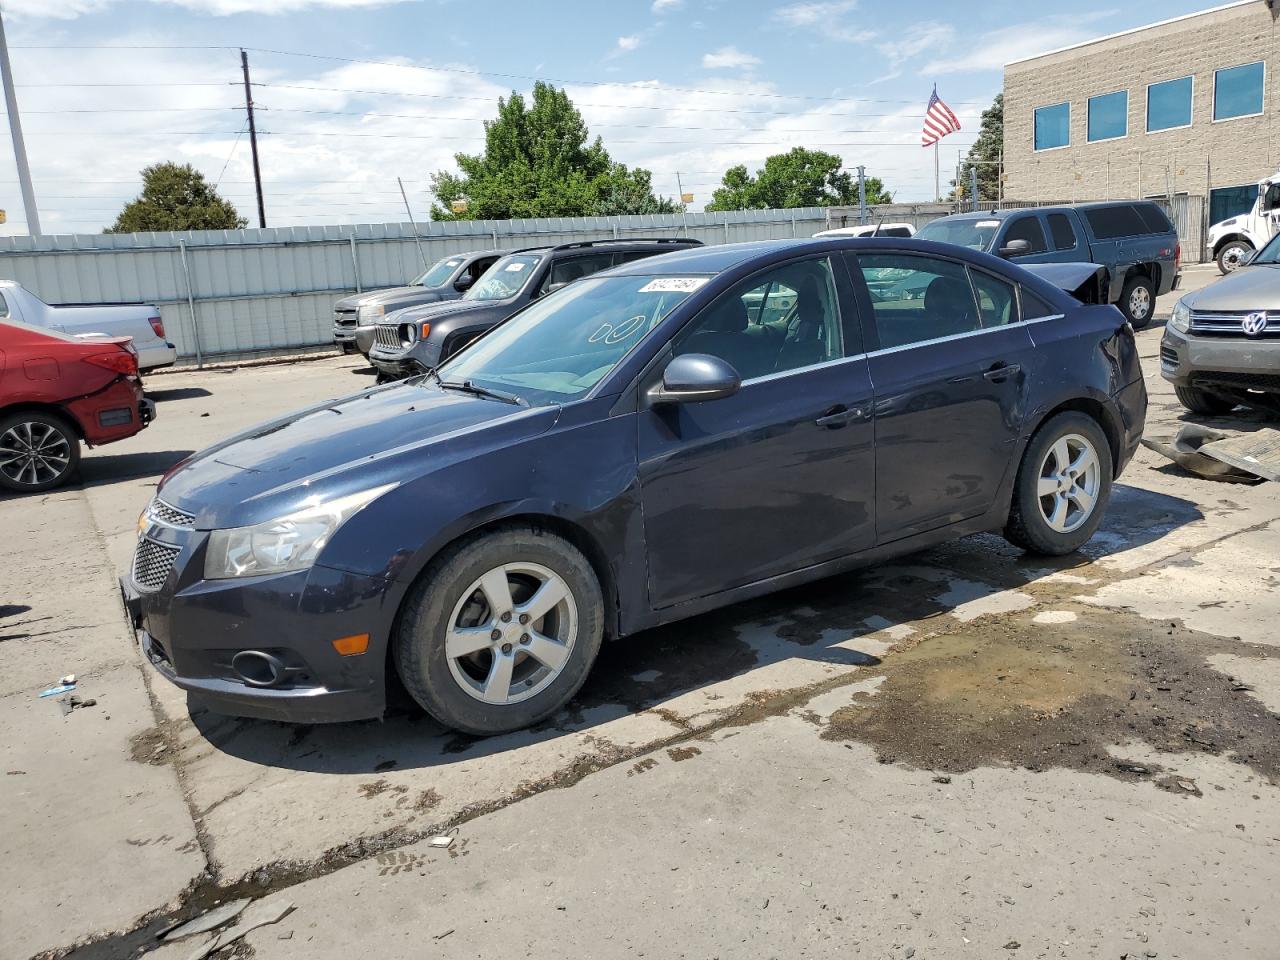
258 669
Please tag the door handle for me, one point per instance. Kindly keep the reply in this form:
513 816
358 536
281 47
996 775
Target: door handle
840 415
1001 372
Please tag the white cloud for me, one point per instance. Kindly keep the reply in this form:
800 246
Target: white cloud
994 49
728 58
628 43
664 6
813 14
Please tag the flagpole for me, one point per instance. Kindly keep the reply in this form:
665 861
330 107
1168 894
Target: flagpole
937 186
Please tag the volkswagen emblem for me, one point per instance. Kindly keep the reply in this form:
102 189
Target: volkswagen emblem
1254 324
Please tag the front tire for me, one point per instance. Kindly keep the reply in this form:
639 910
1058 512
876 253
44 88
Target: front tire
38 451
1203 402
500 631
1138 301
1063 485
1230 255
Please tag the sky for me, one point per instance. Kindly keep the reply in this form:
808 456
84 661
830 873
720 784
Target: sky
351 94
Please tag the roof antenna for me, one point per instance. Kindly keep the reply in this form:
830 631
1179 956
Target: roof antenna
876 231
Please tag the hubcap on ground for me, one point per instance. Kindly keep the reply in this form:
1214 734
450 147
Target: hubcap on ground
511 633
1069 480
1140 302
33 452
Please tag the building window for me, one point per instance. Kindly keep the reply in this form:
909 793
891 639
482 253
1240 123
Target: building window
1237 91
1109 116
1053 126
1169 104
1227 202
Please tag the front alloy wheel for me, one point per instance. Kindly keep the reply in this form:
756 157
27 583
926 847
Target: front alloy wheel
1069 482
37 451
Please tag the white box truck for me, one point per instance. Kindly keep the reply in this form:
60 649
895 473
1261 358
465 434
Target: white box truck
1233 239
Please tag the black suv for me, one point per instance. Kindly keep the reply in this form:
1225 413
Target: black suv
418 339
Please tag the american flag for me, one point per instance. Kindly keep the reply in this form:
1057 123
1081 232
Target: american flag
938 121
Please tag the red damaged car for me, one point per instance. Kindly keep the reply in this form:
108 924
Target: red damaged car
57 390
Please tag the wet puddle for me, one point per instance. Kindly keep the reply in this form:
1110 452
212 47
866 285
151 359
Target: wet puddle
1013 691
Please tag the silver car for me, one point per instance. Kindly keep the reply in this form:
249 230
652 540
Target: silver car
1221 346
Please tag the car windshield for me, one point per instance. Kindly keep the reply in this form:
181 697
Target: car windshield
564 344
505 278
1270 254
971 233
438 275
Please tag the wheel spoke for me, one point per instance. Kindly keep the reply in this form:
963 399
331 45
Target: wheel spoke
497 592
546 651
1047 487
544 601
1084 461
1083 500
1058 519
464 641
497 685
1062 454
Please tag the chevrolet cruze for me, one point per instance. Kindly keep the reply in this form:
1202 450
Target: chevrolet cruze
655 441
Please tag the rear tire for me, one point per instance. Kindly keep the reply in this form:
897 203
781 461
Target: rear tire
1062 488
38 451
1229 256
465 652
1203 402
1138 301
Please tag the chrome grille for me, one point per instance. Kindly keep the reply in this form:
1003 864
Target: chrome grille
1228 324
344 318
151 563
163 513
387 335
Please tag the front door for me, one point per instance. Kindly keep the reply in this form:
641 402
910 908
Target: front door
950 364
779 476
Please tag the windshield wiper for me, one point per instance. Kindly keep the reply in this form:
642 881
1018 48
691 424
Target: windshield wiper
468 386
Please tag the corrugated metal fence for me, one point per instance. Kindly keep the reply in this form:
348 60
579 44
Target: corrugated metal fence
239 291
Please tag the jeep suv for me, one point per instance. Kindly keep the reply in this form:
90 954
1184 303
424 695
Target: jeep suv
417 339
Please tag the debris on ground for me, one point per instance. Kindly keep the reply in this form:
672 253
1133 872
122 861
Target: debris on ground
442 842
260 915
1217 455
75 703
57 689
208 921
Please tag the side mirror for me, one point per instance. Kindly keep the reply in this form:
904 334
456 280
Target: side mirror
553 287
692 377
464 282
1015 248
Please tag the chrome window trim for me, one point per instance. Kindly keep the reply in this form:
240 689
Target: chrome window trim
779 374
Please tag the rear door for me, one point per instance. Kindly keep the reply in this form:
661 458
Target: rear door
948 363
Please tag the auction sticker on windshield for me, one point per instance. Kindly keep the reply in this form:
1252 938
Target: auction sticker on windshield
516 267
984 224
674 285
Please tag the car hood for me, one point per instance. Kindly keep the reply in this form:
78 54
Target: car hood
393 298
449 308
1247 288
385 435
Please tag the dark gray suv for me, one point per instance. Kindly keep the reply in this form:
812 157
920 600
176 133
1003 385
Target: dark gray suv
355 317
412 341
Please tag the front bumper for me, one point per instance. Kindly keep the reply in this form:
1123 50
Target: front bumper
192 629
1235 363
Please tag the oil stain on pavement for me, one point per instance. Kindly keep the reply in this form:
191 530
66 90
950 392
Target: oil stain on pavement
1010 691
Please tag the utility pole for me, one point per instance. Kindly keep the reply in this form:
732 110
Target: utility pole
862 195
19 146
416 239
684 207
253 138
973 185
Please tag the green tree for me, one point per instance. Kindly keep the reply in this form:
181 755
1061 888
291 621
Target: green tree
984 155
538 161
798 178
176 197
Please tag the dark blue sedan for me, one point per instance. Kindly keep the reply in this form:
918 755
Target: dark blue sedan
670 436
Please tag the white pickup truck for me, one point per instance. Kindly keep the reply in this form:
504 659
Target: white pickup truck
1233 239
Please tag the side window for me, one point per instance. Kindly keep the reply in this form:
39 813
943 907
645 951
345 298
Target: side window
1028 229
894 232
780 320
1110 223
628 255
4 306
478 267
1153 218
1033 307
1064 235
574 268
918 298
997 302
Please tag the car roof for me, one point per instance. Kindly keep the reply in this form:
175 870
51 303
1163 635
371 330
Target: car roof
712 259
635 243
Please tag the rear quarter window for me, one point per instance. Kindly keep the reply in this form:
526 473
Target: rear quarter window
1114 222
1034 306
1153 217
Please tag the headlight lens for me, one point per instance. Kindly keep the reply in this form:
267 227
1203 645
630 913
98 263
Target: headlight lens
370 311
287 543
1181 318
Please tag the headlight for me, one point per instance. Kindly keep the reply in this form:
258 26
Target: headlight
370 311
1181 318
287 543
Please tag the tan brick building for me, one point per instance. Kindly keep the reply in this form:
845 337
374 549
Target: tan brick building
1190 106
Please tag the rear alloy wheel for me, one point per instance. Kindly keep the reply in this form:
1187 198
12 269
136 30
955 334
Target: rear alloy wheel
1138 301
501 631
1062 487
37 451
1203 402
1231 254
